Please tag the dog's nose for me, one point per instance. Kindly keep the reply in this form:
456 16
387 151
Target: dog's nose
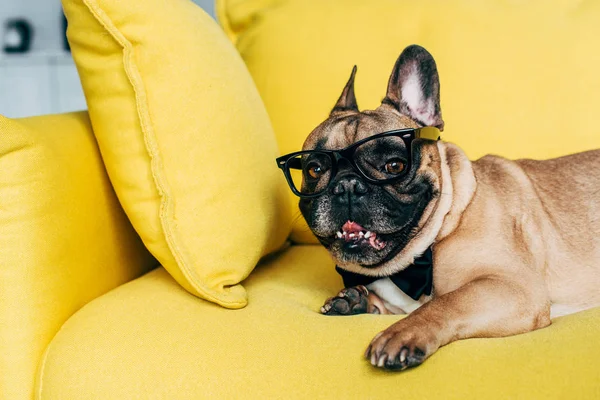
350 185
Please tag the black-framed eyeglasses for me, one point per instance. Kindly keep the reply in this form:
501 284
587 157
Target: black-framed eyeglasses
379 159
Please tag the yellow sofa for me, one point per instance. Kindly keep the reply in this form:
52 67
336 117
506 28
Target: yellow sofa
86 313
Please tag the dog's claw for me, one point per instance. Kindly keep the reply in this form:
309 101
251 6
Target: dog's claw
403 354
325 309
398 349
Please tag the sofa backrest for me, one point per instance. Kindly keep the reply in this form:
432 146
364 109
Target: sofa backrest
518 79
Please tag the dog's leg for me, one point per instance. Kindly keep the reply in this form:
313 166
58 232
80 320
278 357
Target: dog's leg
487 307
354 300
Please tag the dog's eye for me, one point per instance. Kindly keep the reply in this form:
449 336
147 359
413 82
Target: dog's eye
315 171
394 166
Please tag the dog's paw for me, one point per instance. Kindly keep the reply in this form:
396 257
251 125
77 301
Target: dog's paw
398 349
349 301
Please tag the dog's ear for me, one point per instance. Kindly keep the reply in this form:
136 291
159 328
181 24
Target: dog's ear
414 87
347 101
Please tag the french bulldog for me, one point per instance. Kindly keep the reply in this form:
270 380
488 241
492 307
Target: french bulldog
488 248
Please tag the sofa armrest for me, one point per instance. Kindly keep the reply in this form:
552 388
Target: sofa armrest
64 239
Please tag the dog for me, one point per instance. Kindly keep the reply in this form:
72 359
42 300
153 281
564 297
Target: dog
489 248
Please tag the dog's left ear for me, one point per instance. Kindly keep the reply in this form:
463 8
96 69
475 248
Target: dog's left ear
414 87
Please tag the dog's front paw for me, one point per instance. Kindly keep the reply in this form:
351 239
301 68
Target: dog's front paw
399 348
349 301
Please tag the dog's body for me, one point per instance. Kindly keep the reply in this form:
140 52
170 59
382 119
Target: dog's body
514 242
524 211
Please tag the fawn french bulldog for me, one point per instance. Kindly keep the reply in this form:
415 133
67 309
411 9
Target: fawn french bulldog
468 249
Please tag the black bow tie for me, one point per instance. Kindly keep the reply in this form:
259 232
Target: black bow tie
414 280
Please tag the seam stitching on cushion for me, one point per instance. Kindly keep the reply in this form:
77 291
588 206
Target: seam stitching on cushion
160 182
41 370
42 366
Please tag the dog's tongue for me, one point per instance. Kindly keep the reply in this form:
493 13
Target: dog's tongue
352 227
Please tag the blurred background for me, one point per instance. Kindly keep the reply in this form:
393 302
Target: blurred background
37 74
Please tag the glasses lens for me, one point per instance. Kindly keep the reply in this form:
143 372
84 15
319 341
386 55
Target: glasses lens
310 172
383 158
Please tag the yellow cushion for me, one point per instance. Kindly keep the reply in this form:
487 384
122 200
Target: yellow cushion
64 240
149 339
185 138
519 79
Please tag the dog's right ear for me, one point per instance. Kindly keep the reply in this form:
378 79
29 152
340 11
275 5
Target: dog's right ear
347 101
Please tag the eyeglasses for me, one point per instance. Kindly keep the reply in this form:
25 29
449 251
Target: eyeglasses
379 159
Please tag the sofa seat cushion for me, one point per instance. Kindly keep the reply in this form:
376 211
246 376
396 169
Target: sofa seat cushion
151 339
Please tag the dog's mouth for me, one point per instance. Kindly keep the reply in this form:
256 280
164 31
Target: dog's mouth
355 236
354 244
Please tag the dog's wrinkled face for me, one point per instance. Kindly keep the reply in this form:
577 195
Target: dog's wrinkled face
368 224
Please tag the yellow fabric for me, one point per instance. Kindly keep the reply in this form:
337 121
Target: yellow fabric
64 240
149 339
519 79
185 138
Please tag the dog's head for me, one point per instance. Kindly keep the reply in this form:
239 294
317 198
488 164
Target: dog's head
367 223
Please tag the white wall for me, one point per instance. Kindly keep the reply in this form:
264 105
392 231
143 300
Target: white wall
45 80
207 5
44 15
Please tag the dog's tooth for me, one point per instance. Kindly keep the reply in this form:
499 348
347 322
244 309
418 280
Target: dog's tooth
352 235
368 234
361 234
339 235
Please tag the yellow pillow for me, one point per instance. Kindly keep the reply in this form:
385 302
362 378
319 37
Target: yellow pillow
519 79
185 138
